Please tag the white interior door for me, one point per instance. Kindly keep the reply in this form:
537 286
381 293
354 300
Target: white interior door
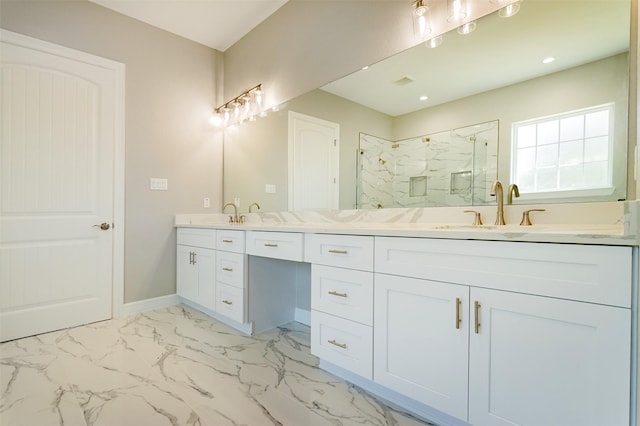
314 155
57 139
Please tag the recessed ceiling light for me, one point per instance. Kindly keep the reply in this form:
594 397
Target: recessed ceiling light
365 68
548 60
423 98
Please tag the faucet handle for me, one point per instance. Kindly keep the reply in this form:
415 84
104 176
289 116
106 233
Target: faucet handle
477 220
231 220
526 220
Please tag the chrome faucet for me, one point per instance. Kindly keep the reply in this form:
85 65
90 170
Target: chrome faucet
234 218
496 189
513 191
254 204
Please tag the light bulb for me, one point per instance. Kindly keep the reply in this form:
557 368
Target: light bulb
216 120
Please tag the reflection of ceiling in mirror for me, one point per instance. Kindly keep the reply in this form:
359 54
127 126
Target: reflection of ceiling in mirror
500 52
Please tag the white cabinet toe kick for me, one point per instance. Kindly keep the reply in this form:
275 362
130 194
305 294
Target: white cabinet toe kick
456 331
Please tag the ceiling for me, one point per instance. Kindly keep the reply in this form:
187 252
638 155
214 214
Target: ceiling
214 23
502 51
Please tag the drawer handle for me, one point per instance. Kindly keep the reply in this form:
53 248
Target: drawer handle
458 317
338 251
340 345
227 241
228 269
227 302
335 293
476 308
270 245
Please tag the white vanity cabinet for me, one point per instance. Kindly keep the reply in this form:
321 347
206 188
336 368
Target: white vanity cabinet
231 275
545 327
342 300
196 265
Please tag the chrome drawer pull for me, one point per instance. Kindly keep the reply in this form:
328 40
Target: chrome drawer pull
227 302
270 245
227 241
340 345
335 293
458 317
338 251
228 269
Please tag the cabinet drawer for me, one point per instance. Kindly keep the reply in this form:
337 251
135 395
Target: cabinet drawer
344 343
230 302
598 274
346 251
230 268
277 245
197 237
230 240
342 292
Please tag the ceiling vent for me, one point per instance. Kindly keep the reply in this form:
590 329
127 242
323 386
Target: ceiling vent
405 80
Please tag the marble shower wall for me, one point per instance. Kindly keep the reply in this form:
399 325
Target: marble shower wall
450 168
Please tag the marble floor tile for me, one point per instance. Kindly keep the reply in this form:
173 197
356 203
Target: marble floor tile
176 366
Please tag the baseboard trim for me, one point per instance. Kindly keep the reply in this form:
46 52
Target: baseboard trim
392 398
147 305
303 317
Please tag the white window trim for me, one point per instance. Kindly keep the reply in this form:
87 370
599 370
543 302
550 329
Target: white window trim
566 193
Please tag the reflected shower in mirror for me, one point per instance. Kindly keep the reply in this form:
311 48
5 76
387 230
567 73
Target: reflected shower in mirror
450 168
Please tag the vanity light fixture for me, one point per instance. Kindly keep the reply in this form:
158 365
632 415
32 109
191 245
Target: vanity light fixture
246 106
421 21
456 10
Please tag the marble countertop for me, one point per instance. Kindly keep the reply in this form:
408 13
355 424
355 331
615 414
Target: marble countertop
613 223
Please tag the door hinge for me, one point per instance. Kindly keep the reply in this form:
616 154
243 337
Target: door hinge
335 142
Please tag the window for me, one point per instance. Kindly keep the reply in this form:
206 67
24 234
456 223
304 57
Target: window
569 151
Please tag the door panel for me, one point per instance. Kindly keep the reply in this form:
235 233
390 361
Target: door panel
57 181
421 341
313 163
543 361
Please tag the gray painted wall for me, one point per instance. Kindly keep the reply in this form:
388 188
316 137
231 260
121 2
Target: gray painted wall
170 89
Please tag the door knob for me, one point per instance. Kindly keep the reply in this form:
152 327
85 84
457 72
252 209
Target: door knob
104 226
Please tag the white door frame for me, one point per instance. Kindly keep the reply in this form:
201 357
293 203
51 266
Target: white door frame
119 147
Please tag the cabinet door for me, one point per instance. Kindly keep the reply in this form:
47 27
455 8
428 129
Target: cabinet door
542 361
205 261
186 273
421 341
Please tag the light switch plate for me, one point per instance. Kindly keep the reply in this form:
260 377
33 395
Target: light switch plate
270 188
159 184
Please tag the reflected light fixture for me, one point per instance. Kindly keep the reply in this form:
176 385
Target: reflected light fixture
434 42
246 106
509 8
467 28
456 10
421 21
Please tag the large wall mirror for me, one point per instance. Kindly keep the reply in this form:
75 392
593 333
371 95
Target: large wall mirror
560 128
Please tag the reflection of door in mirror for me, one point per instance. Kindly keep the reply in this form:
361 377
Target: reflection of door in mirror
313 163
